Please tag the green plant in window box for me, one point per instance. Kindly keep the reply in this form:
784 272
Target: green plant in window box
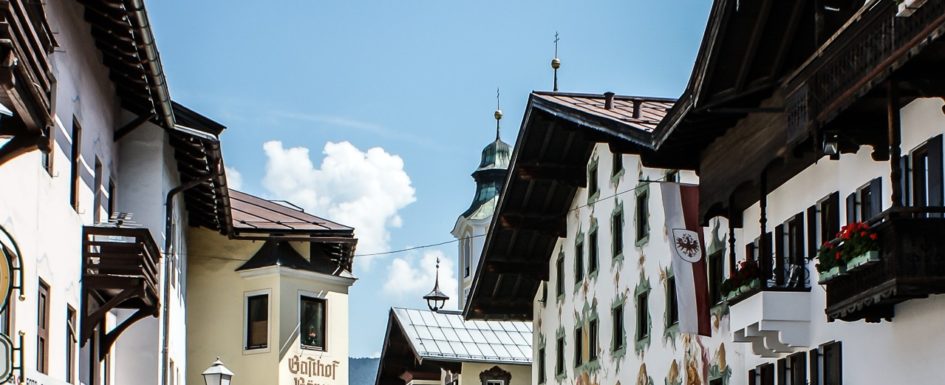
855 247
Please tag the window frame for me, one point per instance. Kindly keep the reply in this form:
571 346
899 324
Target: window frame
672 305
42 327
642 313
541 365
616 164
716 272
579 259
560 272
641 215
616 232
75 164
303 295
619 333
247 349
71 341
593 251
593 336
578 346
593 182
559 355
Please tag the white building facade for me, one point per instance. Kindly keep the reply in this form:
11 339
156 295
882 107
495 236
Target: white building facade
97 301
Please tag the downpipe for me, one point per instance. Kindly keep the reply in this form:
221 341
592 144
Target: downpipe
168 240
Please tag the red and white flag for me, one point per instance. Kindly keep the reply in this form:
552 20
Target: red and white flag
681 206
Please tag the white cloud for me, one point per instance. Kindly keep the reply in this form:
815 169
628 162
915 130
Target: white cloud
362 189
413 277
234 179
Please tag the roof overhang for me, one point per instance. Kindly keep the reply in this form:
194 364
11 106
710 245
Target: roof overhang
549 164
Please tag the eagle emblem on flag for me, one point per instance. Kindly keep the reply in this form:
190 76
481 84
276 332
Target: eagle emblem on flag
686 243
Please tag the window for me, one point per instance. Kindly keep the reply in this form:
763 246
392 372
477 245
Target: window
672 176
257 321
75 157
559 275
672 307
592 336
47 157
312 323
765 374
617 163
467 255
643 327
823 223
716 275
792 370
922 175
71 339
618 333
112 198
866 202
642 214
592 188
832 364
616 233
541 365
98 200
42 329
592 251
579 261
578 347
559 356
789 253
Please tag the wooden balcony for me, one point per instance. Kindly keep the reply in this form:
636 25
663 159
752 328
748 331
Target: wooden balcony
26 78
862 54
911 265
120 271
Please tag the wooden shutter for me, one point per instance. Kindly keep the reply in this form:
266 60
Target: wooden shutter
782 371
752 377
851 208
812 241
876 198
833 212
779 246
798 230
814 364
935 171
904 188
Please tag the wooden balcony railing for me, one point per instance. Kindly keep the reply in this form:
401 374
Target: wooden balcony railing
858 56
120 271
911 265
26 78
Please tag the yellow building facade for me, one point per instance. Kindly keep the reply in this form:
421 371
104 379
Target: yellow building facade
271 302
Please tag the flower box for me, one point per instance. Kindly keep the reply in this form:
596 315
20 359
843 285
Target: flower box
832 273
863 260
749 286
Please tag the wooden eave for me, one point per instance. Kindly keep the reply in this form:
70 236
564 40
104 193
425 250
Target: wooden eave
399 362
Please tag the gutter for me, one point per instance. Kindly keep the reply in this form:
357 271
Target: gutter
152 62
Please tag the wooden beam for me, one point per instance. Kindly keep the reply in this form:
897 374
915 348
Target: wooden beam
20 145
515 267
793 24
567 174
553 224
131 126
752 50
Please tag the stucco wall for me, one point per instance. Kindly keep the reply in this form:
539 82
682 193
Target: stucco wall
215 316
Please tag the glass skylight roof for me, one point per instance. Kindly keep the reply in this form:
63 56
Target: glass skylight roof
445 335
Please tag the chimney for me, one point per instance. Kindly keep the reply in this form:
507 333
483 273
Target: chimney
608 100
636 108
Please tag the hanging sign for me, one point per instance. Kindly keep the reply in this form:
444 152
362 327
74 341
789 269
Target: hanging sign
9 252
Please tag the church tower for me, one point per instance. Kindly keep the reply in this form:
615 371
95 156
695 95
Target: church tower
473 224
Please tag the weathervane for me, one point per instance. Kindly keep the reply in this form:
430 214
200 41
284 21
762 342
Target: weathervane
497 114
556 63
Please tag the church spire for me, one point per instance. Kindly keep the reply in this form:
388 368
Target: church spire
497 114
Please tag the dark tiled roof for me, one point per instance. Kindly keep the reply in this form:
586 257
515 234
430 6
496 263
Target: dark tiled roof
652 110
251 213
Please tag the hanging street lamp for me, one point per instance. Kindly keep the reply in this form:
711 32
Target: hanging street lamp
217 374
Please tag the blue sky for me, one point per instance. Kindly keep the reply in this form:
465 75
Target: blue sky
403 94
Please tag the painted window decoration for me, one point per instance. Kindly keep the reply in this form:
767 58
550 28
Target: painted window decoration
616 232
592 187
559 356
617 164
641 217
559 275
579 259
672 307
592 257
619 338
312 323
578 347
716 275
257 321
592 336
